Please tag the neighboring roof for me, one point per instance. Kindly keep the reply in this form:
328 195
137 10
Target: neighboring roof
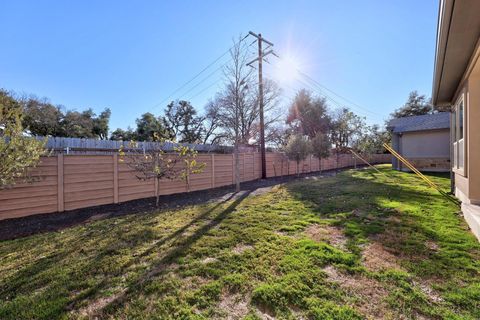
458 32
425 122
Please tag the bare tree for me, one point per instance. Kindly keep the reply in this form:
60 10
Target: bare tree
234 113
212 123
189 166
149 164
272 113
156 164
234 101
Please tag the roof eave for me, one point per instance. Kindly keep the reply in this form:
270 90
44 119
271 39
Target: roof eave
444 20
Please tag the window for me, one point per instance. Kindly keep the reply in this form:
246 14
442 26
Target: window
458 134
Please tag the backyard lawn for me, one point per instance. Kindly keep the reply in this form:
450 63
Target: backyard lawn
354 246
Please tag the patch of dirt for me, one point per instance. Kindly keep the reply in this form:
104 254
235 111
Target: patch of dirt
264 313
95 307
372 293
394 219
324 174
209 260
234 306
432 245
329 234
376 258
194 282
260 191
428 291
241 248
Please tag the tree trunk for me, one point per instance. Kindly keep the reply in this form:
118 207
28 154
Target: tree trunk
237 167
336 156
157 193
187 179
320 165
298 168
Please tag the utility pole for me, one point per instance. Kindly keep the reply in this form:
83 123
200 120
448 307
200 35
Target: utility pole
261 56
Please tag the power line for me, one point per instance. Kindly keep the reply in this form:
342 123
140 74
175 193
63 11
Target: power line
342 105
323 88
203 80
203 90
197 75
336 94
322 94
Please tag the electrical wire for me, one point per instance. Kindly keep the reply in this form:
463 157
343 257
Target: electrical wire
198 74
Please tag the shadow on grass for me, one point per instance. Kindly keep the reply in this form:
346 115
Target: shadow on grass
418 225
52 272
176 252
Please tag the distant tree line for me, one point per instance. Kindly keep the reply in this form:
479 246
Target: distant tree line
232 113
230 117
42 118
417 105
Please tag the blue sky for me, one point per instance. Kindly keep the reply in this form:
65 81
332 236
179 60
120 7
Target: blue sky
131 55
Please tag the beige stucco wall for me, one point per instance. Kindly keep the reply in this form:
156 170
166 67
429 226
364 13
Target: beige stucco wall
426 144
467 183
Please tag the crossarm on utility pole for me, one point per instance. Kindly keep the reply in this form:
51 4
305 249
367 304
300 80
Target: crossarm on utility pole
259 59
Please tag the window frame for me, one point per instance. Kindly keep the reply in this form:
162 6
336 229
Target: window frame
458 144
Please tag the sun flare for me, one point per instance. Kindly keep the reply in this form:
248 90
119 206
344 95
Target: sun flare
286 69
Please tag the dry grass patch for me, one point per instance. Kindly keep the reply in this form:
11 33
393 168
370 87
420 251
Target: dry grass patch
377 258
233 306
241 248
432 245
95 307
264 314
209 260
369 295
428 291
332 235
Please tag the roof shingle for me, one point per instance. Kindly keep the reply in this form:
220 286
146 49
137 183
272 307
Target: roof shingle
434 121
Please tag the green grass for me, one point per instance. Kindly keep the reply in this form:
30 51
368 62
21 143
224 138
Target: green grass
256 255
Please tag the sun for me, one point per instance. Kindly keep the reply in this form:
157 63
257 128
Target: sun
286 69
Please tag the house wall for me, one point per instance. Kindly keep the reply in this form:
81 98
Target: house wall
467 183
426 144
426 150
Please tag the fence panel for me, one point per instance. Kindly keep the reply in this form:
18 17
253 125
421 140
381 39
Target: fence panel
96 176
76 181
32 198
223 170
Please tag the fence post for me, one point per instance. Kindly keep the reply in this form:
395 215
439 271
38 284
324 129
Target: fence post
115 178
254 176
233 168
213 170
243 156
60 198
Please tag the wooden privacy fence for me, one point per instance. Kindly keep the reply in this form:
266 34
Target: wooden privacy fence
68 182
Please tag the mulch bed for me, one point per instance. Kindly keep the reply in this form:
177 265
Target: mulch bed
25 226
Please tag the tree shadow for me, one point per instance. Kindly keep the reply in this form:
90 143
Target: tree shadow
419 226
30 278
178 251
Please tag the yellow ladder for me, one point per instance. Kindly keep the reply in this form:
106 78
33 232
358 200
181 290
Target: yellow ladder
421 175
